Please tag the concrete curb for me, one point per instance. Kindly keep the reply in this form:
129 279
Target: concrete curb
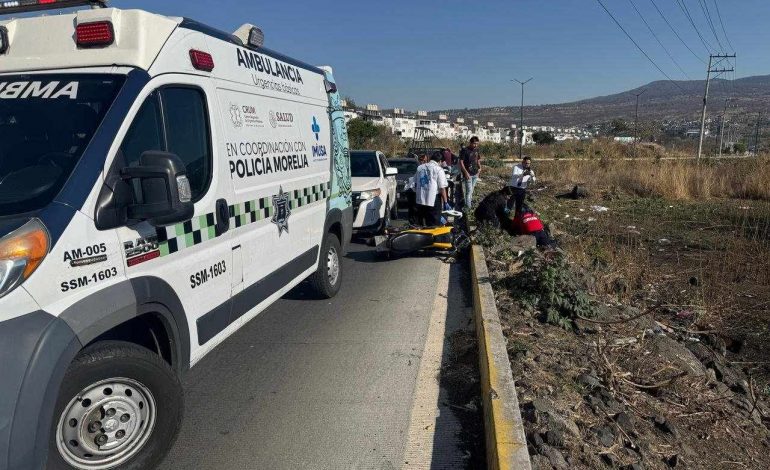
503 429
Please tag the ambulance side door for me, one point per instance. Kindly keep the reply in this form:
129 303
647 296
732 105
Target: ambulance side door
196 257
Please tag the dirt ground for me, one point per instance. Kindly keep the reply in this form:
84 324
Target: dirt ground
653 351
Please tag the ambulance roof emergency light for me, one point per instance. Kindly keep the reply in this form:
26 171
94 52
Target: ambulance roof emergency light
21 6
256 37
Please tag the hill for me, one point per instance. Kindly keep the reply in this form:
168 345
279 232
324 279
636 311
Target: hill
663 100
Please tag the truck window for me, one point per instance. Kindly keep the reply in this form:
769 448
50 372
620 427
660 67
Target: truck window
145 133
46 123
181 128
187 134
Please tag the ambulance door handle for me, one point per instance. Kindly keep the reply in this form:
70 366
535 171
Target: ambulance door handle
222 211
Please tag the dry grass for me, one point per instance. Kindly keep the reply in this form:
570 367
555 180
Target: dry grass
680 180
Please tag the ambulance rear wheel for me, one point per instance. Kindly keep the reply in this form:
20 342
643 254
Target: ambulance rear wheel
120 406
327 279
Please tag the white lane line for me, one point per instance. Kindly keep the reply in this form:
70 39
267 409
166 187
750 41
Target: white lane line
433 429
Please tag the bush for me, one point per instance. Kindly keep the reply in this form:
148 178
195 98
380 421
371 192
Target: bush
549 286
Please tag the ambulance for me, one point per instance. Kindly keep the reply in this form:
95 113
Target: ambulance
161 183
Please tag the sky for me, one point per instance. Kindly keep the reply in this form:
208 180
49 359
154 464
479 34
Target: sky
439 54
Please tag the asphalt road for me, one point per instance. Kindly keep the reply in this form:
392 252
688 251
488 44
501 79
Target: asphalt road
318 384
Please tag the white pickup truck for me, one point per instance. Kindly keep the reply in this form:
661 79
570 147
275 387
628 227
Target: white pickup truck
374 191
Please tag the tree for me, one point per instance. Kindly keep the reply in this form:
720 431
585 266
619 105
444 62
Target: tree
543 138
361 133
739 147
618 126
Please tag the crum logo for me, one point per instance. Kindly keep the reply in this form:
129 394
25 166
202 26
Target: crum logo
264 64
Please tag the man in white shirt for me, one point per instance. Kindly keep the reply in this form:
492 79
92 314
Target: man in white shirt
522 177
430 192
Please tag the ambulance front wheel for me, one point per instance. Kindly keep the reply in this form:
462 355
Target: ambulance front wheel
120 406
327 279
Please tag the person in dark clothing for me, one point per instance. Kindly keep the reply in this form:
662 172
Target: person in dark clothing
470 167
492 209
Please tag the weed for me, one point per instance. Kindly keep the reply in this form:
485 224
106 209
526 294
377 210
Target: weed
548 285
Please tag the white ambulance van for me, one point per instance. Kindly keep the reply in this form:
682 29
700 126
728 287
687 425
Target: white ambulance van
161 183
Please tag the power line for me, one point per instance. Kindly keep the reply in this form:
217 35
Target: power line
639 47
675 33
656 38
724 32
686 12
705 9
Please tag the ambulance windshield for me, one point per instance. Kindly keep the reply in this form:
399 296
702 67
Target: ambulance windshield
46 123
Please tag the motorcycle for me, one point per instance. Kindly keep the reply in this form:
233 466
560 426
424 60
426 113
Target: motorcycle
450 239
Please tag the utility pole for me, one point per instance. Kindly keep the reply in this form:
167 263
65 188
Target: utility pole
521 116
636 119
709 71
756 136
722 128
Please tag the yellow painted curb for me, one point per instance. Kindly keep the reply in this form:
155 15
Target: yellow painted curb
504 431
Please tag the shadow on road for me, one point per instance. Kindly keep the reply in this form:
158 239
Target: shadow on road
460 396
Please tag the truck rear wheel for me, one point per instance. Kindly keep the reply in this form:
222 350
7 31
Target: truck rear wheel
120 405
327 279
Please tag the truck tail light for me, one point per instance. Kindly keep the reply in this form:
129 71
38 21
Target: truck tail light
201 60
96 34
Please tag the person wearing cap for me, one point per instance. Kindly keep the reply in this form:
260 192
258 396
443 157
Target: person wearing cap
430 191
521 178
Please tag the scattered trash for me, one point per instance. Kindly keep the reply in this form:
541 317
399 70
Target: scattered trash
664 241
591 219
599 208
631 227
624 341
684 314
566 216
745 208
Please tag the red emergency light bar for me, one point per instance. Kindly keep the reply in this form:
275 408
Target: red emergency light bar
20 6
201 60
95 34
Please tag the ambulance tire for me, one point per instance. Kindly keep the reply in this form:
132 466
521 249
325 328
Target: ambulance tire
119 362
327 279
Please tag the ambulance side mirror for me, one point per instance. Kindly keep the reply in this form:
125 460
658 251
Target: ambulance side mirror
162 193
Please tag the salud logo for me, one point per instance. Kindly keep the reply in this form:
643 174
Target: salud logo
316 128
281 211
281 119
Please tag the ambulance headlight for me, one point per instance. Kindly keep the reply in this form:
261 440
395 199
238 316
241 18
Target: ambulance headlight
366 195
21 252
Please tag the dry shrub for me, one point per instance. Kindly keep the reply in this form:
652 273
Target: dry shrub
681 180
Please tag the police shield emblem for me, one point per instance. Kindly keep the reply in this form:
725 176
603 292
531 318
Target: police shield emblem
281 211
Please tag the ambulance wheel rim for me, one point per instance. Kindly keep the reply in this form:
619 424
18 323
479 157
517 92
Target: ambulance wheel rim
106 424
332 266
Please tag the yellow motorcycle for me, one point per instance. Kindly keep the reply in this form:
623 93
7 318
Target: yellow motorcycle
450 239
